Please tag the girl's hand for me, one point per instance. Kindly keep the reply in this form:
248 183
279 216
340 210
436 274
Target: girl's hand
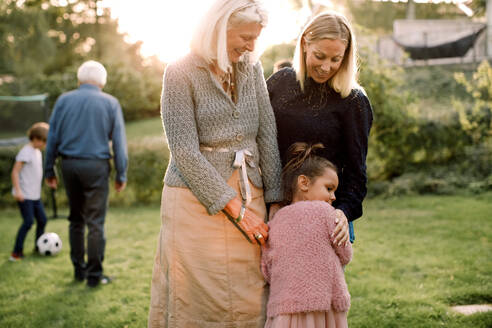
251 224
341 233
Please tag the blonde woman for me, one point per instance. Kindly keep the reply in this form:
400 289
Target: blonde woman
224 166
320 101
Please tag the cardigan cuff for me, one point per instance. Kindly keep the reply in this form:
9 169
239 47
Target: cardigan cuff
221 203
273 195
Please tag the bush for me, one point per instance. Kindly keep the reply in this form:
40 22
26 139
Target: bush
284 51
469 173
147 164
476 121
138 91
406 138
394 129
7 160
148 161
412 149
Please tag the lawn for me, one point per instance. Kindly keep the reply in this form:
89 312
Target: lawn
413 258
147 128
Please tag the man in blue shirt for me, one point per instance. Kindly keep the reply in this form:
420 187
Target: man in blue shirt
82 124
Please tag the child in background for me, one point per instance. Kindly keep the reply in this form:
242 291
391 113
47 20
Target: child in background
300 260
27 176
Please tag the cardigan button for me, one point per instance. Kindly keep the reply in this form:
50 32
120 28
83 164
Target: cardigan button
235 114
239 137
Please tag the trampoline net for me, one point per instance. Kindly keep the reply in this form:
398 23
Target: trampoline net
18 114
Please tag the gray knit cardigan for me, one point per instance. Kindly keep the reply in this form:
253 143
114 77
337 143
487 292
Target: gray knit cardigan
197 112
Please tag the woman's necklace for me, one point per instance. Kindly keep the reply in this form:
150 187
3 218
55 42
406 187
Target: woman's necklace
227 80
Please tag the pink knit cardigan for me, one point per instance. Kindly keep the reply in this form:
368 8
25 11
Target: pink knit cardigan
300 262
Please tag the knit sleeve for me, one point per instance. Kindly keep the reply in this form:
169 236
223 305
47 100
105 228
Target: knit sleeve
344 252
267 140
271 83
178 116
357 121
265 262
276 82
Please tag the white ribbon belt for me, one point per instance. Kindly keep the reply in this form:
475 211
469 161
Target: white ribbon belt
240 162
219 150
242 159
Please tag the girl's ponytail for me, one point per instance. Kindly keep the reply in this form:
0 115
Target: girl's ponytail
302 160
298 153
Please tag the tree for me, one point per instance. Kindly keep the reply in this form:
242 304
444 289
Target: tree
274 54
379 16
43 43
478 7
23 37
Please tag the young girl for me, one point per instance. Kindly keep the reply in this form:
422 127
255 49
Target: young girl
300 261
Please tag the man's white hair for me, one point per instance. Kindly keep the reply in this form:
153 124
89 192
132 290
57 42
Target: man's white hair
210 38
92 72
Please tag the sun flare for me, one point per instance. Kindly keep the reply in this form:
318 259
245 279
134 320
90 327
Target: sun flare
166 27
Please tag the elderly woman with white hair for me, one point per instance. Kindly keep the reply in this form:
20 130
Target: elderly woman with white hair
224 166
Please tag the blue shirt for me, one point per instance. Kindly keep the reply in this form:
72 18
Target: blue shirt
82 124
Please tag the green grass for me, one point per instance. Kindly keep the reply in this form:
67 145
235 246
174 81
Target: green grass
413 258
151 127
40 291
146 133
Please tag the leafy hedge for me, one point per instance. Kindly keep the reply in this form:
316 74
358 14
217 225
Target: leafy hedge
7 159
138 91
147 164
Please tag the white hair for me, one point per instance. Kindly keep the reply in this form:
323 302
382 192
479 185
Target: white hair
210 37
92 72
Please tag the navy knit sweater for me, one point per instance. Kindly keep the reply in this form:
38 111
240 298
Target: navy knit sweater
342 125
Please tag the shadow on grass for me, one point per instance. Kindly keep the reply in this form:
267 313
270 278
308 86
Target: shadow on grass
472 298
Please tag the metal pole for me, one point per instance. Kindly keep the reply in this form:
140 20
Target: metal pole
474 48
411 9
44 103
426 46
53 203
489 28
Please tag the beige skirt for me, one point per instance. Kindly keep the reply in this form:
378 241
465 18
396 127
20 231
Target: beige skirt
329 319
206 274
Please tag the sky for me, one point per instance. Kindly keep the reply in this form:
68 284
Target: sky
166 26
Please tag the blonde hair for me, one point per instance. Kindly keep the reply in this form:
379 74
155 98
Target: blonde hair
333 26
210 38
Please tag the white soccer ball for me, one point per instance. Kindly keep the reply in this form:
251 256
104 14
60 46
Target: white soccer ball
49 244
